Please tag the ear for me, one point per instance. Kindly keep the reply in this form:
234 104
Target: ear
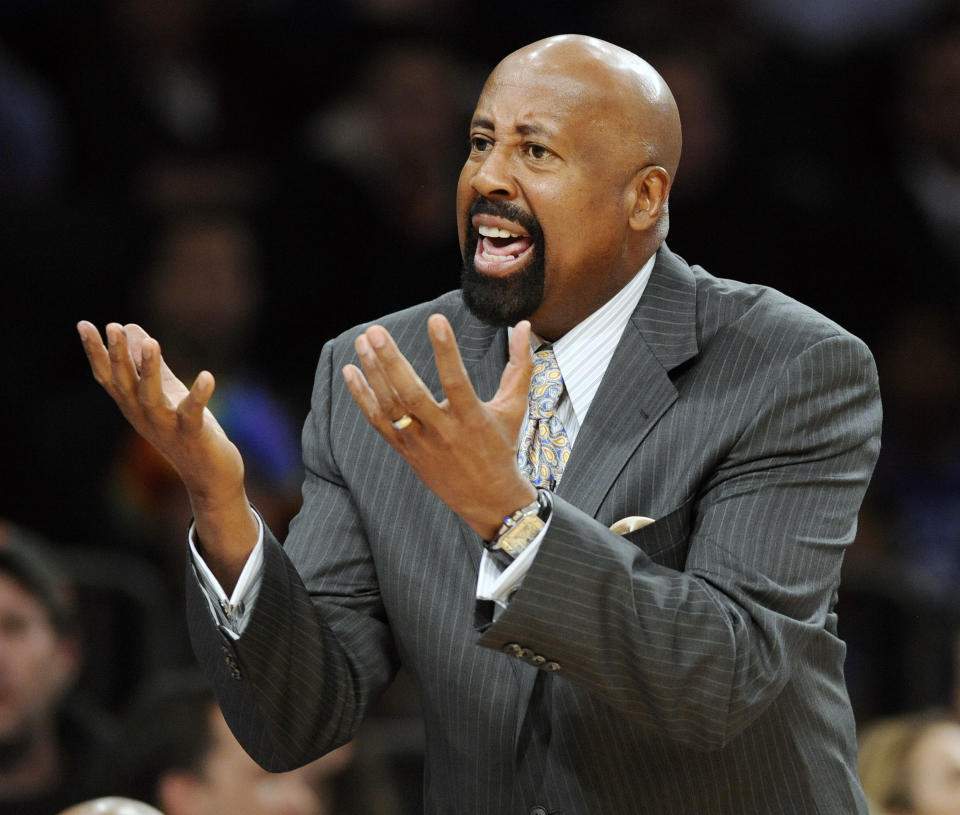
648 196
179 793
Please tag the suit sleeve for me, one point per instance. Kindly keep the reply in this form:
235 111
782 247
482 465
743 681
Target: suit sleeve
700 653
316 650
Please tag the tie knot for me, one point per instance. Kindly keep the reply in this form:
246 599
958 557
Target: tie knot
546 384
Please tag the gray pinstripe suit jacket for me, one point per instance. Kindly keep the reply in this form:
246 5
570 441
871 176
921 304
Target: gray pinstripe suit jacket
699 665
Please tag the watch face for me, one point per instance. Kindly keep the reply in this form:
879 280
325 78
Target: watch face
515 539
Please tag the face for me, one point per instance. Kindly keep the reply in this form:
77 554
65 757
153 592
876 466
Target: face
36 664
233 782
545 197
935 771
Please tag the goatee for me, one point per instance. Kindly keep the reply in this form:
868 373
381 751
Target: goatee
503 301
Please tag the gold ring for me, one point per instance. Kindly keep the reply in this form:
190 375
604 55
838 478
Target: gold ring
403 422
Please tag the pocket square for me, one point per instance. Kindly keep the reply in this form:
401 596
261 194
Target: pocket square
630 524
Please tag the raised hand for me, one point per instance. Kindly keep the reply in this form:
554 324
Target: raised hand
175 420
463 449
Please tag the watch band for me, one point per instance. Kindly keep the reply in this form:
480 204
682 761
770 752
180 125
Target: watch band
522 527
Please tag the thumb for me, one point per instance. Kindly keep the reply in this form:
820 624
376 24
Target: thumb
190 411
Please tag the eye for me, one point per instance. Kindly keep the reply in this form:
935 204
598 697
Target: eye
537 151
479 144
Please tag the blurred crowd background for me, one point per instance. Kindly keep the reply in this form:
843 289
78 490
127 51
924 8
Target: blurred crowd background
249 178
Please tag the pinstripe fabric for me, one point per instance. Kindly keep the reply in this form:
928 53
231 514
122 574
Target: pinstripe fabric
699 665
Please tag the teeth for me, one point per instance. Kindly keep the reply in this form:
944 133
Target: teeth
497 258
496 232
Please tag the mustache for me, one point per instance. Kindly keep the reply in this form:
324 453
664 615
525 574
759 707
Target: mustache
511 212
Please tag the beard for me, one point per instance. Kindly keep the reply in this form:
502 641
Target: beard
503 301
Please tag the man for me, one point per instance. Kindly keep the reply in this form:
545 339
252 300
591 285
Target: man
178 753
49 746
689 665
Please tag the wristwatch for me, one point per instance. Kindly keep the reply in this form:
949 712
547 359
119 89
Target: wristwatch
523 526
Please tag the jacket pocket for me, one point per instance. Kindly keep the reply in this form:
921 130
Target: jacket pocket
667 539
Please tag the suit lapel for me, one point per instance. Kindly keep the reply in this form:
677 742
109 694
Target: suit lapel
483 349
485 359
636 389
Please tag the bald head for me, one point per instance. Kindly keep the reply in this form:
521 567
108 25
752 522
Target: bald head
573 147
112 806
634 95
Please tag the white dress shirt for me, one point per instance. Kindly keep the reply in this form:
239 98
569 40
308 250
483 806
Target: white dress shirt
583 354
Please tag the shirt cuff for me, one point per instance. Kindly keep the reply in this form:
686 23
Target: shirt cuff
498 584
233 611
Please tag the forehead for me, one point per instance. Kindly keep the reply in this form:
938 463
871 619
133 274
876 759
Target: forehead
943 741
550 102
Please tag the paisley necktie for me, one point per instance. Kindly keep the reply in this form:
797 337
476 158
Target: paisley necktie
544 448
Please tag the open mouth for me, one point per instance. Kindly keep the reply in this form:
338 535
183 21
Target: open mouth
500 249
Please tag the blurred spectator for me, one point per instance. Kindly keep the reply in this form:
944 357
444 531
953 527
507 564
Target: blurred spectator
179 754
398 132
706 201
910 765
899 592
929 130
112 806
50 747
200 297
157 116
918 478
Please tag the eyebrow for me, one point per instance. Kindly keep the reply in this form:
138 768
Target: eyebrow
523 129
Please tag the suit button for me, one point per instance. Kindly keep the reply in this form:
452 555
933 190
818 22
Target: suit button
512 648
551 667
538 660
538 811
233 666
526 654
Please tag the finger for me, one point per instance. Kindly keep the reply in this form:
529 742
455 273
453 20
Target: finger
388 401
457 387
413 396
170 385
365 398
190 411
96 352
123 374
514 388
135 337
151 384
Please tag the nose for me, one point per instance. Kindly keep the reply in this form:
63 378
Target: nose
493 178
